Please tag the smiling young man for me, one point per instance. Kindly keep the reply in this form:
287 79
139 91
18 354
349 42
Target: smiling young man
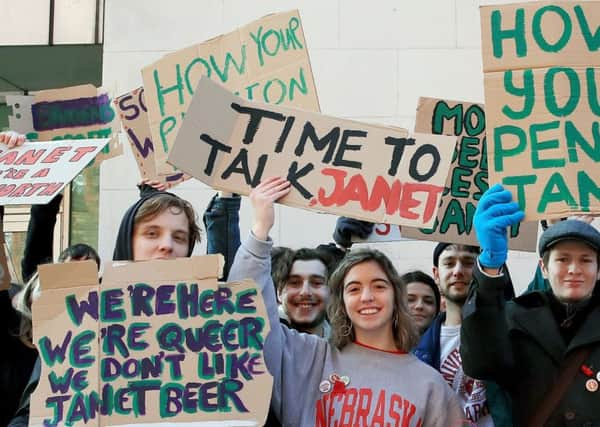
303 292
543 347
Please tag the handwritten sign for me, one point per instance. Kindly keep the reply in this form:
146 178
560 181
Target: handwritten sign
133 113
376 173
159 341
266 60
35 172
468 177
76 112
541 62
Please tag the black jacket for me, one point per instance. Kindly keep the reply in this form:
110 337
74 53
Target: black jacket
521 345
16 360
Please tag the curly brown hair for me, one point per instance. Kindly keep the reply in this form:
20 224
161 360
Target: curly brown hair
404 330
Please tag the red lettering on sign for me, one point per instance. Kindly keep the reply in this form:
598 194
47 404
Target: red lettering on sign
41 173
55 154
80 152
397 198
30 157
9 157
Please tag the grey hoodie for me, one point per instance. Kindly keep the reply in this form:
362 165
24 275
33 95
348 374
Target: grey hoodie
384 389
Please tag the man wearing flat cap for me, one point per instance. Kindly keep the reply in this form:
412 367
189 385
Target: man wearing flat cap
543 347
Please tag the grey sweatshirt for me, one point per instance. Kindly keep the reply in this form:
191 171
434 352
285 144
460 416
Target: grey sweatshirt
384 389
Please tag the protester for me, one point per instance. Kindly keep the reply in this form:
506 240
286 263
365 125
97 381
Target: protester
23 302
160 225
299 277
483 404
79 252
423 297
543 347
315 381
18 356
16 359
303 292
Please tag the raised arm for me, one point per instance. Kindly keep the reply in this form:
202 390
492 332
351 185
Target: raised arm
485 347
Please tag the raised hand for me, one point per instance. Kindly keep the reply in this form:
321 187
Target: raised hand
495 212
262 198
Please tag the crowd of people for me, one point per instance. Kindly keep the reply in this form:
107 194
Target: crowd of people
353 341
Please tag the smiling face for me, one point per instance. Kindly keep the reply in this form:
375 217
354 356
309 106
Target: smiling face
305 293
421 303
369 301
164 236
572 270
454 273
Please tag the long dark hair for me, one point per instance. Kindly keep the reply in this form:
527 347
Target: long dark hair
342 331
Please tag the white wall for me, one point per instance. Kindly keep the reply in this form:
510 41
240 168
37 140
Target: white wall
371 62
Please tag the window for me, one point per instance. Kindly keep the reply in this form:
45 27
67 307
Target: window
64 39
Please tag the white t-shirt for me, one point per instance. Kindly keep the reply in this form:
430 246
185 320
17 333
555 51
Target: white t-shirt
470 392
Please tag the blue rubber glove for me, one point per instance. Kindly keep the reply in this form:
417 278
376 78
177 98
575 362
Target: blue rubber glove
495 212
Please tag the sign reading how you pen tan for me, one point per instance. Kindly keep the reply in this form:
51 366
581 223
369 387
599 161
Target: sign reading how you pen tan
541 63
159 342
348 168
467 180
266 61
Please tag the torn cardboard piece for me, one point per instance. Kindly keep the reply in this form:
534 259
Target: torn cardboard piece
37 171
266 60
173 345
541 78
365 171
131 110
75 112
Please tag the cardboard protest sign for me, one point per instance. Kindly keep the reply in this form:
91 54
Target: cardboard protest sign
344 167
541 62
467 180
37 171
133 113
68 345
76 112
158 341
266 60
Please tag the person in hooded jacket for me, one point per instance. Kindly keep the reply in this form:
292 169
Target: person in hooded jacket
542 347
160 225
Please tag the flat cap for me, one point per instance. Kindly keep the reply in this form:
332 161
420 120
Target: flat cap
571 229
